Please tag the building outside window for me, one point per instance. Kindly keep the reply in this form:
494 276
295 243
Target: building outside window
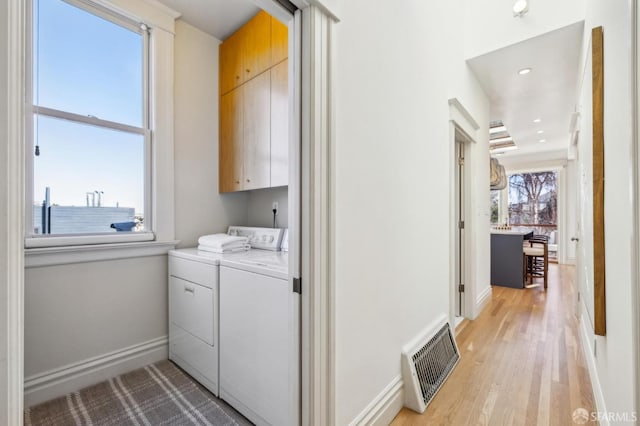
91 145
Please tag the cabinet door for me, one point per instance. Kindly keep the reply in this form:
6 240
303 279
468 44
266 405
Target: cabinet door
280 124
231 66
257 132
256 35
231 141
279 41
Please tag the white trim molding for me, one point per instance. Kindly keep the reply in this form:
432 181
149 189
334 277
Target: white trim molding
382 410
460 119
317 193
483 299
587 351
70 378
94 253
12 214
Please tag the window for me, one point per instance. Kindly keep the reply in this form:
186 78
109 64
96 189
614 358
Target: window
533 203
90 157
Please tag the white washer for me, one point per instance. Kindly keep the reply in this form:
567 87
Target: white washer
259 338
194 303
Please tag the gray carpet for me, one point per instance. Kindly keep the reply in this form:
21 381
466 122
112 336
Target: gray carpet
156 395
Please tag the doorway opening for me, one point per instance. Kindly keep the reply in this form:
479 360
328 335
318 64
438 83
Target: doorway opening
460 224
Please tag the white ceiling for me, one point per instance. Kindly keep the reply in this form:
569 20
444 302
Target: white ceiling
548 92
220 18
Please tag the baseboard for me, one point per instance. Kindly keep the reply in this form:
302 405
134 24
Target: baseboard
482 300
70 378
587 350
384 407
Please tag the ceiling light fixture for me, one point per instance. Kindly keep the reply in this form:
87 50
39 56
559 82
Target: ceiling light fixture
498 140
520 8
497 129
537 120
542 140
499 151
524 71
540 132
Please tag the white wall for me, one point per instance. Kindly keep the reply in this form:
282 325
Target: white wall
75 312
79 311
261 203
392 168
200 209
614 356
490 25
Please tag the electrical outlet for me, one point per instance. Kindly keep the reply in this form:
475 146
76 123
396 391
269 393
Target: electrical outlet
275 206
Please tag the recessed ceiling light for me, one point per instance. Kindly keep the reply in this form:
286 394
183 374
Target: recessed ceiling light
524 71
540 132
520 7
498 140
497 129
537 120
499 151
542 140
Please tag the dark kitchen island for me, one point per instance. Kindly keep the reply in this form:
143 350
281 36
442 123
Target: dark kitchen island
507 267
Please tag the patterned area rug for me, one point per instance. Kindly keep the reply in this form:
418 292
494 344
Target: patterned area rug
159 394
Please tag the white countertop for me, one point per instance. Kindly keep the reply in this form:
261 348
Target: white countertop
511 231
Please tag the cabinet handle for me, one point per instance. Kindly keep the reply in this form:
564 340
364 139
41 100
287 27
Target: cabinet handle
248 180
237 77
248 70
188 289
238 182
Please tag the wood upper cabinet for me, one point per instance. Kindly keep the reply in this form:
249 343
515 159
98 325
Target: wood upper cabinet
231 141
254 106
257 133
279 41
280 124
231 65
246 53
256 36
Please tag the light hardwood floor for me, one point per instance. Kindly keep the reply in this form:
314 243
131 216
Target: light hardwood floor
521 362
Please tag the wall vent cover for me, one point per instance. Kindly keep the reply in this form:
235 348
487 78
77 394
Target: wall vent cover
427 366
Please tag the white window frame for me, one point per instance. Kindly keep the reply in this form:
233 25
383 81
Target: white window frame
159 193
58 240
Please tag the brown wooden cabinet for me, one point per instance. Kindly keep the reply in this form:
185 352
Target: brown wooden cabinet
256 50
279 41
231 64
254 106
231 141
257 124
280 124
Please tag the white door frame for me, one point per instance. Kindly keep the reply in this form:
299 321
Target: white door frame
12 213
635 17
461 121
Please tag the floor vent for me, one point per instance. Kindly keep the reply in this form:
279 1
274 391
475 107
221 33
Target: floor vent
426 366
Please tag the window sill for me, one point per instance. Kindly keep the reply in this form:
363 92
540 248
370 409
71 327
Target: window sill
49 256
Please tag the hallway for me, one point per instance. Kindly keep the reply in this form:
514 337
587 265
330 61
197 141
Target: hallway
521 362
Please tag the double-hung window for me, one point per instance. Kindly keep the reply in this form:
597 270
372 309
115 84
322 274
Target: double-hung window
90 150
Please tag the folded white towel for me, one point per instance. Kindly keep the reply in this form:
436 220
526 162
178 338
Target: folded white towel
235 249
221 241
